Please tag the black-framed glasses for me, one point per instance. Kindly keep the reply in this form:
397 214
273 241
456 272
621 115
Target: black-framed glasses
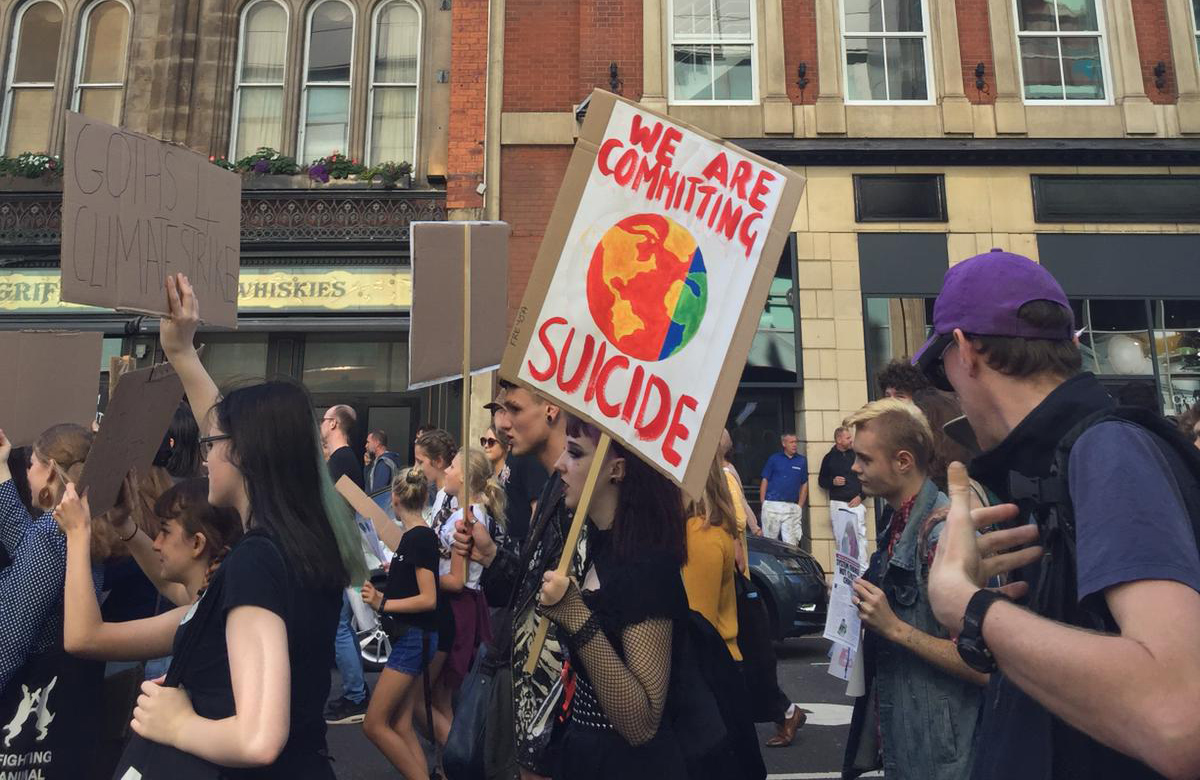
487 441
937 370
207 442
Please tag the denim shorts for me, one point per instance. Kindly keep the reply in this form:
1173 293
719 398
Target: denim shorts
406 651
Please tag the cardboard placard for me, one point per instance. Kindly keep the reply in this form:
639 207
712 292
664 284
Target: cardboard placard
435 343
55 378
650 282
135 210
133 427
360 502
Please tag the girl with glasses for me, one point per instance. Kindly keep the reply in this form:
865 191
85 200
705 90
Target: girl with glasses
496 450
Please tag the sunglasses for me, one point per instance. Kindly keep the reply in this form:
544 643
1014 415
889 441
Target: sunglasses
488 441
207 442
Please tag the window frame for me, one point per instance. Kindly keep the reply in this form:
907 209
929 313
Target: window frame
926 36
77 85
237 76
751 41
1101 35
1195 13
416 85
305 84
10 73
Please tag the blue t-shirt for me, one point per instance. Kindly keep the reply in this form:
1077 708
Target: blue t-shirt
784 477
1131 524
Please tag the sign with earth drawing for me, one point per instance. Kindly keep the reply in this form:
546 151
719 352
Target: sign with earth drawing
650 282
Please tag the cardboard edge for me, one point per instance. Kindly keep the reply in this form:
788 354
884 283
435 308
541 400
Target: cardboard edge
359 501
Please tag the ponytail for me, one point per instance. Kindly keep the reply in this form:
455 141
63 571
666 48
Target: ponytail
484 484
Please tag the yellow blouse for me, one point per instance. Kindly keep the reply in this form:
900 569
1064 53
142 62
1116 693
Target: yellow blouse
708 579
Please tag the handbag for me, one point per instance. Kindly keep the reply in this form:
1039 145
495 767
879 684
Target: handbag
147 760
463 756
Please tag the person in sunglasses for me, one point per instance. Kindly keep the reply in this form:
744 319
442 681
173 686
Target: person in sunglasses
496 450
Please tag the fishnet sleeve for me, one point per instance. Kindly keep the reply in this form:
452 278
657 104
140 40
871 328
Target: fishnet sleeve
632 692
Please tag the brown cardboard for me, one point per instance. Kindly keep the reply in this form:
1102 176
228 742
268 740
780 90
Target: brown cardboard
360 502
55 378
135 210
435 342
727 367
133 427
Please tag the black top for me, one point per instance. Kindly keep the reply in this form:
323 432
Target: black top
418 549
254 574
526 478
837 463
344 462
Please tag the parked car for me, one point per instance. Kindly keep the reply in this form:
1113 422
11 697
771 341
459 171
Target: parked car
792 585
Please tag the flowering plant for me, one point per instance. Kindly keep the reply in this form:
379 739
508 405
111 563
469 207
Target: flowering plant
221 162
31 165
267 160
334 166
389 173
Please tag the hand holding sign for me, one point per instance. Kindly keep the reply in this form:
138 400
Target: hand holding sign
73 514
177 331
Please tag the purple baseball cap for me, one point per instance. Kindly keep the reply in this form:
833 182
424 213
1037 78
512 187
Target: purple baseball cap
982 295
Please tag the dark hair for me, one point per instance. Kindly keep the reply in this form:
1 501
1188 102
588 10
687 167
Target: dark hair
380 436
274 443
902 375
181 460
424 428
1140 393
940 408
187 504
439 445
1022 357
1187 422
649 516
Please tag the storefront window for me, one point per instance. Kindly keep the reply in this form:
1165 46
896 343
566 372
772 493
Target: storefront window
1177 340
334 364
233 360
896 327
1116 336
756 421
773 356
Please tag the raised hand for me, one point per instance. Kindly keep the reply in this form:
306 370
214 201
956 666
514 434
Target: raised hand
72 513
177 331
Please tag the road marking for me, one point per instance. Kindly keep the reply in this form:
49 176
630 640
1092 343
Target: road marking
819 775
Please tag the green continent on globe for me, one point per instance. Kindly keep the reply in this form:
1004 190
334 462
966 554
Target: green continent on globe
647 286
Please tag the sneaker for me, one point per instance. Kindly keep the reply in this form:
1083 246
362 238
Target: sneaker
342 710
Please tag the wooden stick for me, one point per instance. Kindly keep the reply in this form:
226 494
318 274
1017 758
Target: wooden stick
568 552
465 503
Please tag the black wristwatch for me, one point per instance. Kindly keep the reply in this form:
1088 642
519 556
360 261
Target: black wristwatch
971 646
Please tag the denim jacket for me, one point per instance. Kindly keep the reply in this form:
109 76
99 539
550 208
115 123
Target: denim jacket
927 717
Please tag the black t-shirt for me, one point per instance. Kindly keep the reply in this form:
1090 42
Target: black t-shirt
526 478
254 574
418 549
343 462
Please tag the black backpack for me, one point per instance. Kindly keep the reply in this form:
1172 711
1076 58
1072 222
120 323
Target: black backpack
1054 594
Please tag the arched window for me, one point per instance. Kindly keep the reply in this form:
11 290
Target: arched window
32 65
258 94
100 67
325 108
395 69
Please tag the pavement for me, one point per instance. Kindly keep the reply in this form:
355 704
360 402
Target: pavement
816 753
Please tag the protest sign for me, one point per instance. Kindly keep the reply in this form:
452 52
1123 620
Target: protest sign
435 341
133 427
367 512
51 378
135 210
842 623
650 282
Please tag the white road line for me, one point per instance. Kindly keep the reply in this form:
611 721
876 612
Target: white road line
817 776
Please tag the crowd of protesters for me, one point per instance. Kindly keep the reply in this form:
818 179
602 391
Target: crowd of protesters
1039 621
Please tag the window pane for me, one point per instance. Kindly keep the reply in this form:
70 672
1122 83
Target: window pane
331 42
864 69
1115 338
1035 15
864 15
903 16
265 46
693 73
326 122
393 124
107 38
732 18
693 17
260 119
906 68
1077 15
1081 66
355 366
37 48
29 123
1039 66
734 74
103 103
397 44
238 359
1178 337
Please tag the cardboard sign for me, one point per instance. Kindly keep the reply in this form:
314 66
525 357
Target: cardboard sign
50 378
435 342
133 427
135 210
650 282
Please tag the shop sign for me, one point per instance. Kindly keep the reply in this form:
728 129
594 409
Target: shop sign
38 290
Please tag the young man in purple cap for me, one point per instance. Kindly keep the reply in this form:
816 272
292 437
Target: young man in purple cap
1098 676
